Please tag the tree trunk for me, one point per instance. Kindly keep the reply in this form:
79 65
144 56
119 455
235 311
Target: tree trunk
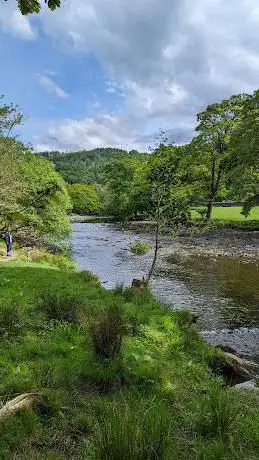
209 209
155 254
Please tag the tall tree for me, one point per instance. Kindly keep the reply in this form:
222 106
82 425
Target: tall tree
215 127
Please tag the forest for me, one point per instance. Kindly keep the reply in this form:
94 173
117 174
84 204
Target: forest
220 164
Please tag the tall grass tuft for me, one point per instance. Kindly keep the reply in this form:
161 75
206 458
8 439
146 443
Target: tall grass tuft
107 333
10 320
62 308
133 428
216 414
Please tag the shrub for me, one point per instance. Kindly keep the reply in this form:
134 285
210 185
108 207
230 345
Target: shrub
60 307
10 320
107 333
140 247
133 428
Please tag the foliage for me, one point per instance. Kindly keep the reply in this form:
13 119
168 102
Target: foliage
87 166
85 199
34 200
10 117
140 247
34 6
211 147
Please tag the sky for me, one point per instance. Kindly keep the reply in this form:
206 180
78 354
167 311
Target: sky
99 73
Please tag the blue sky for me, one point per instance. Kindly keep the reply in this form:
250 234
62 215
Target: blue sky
101 73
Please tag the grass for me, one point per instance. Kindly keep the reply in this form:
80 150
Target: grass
140 248
125 377
230 214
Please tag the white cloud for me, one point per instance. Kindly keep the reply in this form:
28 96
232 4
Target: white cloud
51 87
168 58
89 133
14 23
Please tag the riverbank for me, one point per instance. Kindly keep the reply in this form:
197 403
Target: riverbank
123 376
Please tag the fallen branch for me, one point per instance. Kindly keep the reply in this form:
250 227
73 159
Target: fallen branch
25 401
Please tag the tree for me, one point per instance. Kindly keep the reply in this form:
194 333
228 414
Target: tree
34 6
169 199
216 125
33 198
10 117
121 174
244 159
85 198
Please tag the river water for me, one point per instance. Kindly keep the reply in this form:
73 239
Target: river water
223 289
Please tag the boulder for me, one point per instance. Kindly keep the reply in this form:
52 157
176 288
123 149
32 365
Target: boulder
232 368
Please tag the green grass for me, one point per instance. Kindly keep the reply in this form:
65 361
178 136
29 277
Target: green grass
232 214
140 248
152 395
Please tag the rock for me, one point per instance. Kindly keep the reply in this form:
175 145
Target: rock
250 385
227 349
232 368
139 284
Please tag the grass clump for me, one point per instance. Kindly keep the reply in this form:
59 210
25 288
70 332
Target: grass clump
107 333
11 322
58 307
133 427
140 248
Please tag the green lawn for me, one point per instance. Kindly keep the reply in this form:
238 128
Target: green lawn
155 398
232 214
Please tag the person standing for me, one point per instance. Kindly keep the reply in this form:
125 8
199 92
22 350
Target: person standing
9 243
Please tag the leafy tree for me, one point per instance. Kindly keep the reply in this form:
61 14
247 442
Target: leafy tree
216 125
35 201
34 6
121 187
85 198
10 117
244 159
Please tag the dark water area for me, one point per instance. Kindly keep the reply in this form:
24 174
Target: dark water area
223 291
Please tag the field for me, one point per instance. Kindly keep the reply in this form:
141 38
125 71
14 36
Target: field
124 377
231 214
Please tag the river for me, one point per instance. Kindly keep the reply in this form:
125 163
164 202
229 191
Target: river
216 279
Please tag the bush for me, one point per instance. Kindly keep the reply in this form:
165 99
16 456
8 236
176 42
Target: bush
133 428
10 320
107 333
60 307
140 247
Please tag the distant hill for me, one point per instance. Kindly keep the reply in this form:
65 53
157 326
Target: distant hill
87 166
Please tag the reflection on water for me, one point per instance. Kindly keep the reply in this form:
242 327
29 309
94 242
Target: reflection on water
223 291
